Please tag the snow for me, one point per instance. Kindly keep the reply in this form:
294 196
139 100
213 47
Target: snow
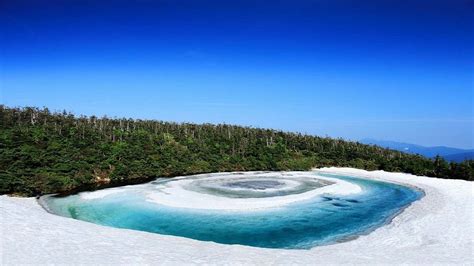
438 229
176 195
99 193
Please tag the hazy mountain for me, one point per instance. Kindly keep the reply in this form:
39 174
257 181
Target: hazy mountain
449 153
459 157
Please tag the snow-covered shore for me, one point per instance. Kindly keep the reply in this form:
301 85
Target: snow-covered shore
438 229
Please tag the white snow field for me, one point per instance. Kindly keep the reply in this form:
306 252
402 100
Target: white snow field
438 229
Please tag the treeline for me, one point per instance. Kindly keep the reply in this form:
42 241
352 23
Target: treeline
48 152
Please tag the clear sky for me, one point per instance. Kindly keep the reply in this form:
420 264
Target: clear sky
394 70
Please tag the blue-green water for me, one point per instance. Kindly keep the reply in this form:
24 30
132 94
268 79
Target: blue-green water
322 220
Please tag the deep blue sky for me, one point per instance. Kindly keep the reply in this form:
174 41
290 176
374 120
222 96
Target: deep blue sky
394 70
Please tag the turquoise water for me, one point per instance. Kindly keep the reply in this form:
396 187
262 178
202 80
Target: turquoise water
322 220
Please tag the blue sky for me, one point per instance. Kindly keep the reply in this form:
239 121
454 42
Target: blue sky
394 70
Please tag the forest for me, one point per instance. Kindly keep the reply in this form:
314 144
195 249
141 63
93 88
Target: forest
45 152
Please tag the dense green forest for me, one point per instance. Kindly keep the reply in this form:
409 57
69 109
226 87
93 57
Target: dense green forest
47 152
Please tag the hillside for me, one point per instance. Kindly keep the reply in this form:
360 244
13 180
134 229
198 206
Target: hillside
46 152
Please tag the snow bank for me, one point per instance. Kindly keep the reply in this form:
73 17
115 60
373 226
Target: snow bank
437 229
99 193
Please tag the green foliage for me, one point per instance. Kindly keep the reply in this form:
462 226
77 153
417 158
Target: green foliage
43 152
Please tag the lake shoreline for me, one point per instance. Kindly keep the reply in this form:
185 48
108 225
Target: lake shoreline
424 231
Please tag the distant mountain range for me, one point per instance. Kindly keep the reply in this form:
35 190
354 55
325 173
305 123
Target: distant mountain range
450 154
